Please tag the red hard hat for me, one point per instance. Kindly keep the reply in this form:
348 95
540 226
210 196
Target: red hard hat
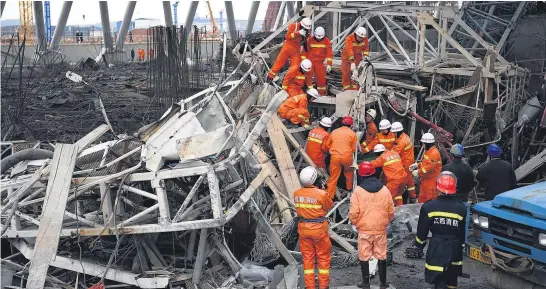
446 183
366 169
347 120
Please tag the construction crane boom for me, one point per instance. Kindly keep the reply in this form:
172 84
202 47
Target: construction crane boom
214 27
26 20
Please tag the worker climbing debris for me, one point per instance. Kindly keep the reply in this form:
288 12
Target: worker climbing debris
295 35
319 50
371 128
370 212
385 137
393 169
404 147
356 47
341 145
294 80
445 218
428 169
295 110
315 146
312 204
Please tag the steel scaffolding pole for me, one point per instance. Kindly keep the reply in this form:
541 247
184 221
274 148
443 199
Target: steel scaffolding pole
290 9
252 16
61 24
105 20
191 15
231 21
3 4
168 14
125 24
39 23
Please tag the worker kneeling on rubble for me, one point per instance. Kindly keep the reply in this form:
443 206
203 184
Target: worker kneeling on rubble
371 211
342 145
404 147
428 169
445 219
356 45
315 146
295 110
318 49
291 46
385 137
294 79
312 205
395 174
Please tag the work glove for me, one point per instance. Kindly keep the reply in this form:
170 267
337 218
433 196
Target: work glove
413 167
414 252
353 67
305 125
415 173
303 32
328 68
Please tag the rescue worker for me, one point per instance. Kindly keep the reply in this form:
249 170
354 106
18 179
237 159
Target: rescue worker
496 176
312 205
356 45
404 147
385 137
141 54
463 172
342 145
294 108
395 174
318 49
428 169
291 46
315 147
371 211
445 219
371 128
294 79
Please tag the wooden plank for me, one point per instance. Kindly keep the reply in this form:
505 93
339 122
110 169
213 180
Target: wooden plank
47 240
25 188
92 137
282 154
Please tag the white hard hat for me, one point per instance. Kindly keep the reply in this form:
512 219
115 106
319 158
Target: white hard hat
326 122
361 31
379 148
308 176
313 92
306 65
372 113
384 124
319 32
396 127
306 23
427 138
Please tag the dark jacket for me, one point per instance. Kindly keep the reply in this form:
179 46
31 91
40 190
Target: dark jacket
496 176
370 184
465 177
445 218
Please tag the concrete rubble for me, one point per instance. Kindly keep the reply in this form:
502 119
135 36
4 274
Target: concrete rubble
201 196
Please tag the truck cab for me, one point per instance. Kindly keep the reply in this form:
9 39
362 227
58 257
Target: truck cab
514 222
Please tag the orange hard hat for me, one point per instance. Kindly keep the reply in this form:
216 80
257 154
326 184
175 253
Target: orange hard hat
446 183
366 169
347 120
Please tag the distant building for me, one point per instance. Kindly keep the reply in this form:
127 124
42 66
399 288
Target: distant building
146 22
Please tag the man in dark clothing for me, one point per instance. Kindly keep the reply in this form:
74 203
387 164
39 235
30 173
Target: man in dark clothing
463 172
131 36
132 55
497 176
445 218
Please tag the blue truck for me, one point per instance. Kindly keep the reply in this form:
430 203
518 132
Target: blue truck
513 224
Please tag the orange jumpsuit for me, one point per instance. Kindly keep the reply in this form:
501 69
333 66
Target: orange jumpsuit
429 169
312 205
295 110
371 132
404 147
317 52
352 53
386 140
315 146
395 174
371 213
290 49
341 145
141 54
293 81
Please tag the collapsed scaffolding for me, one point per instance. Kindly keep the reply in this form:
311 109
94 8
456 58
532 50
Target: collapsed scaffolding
184 199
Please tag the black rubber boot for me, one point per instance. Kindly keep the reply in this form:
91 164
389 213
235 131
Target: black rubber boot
382 264
365 268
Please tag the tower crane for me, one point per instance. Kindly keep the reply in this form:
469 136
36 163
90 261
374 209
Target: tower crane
175 8
26 20
215 30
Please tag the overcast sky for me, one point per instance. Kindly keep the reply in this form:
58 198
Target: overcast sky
144 9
